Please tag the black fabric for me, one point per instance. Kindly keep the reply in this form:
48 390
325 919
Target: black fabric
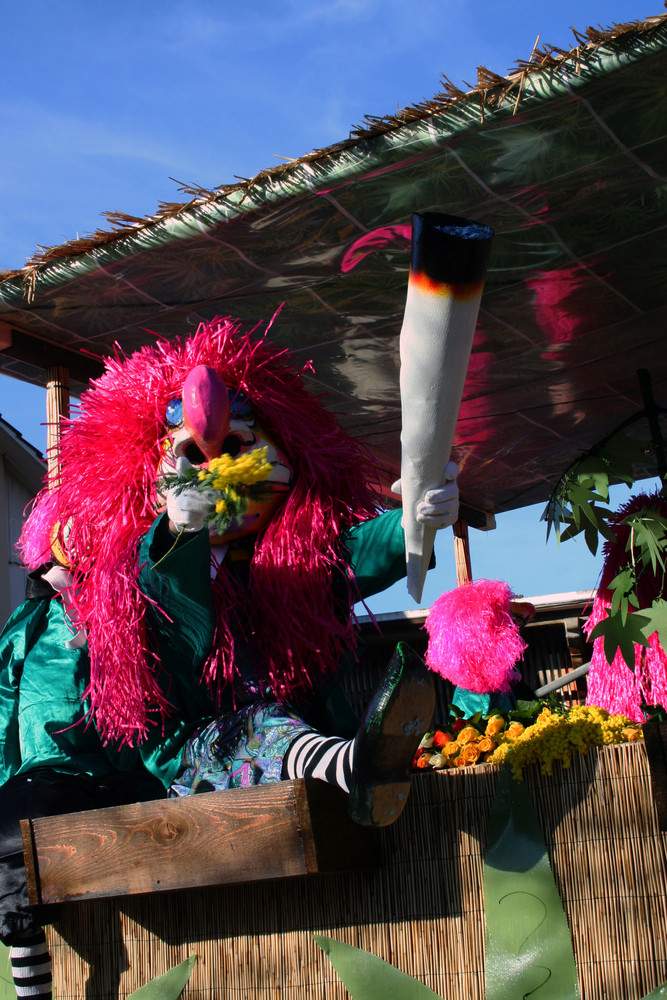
521 691
37 588
44 792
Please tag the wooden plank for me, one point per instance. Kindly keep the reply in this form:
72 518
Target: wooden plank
30 859
281 830
337 844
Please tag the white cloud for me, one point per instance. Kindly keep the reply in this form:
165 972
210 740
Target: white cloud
41 132
190 26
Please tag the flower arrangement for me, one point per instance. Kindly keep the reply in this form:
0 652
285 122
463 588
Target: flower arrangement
230 482
537 734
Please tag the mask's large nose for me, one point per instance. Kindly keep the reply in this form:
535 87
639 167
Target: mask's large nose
206 409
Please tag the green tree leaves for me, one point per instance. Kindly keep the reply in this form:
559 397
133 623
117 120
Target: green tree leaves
579 505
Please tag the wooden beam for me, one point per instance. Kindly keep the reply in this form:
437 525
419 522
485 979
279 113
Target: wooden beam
6 339
44 354
270 831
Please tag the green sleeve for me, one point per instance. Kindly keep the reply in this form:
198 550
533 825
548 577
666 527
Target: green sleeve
469 702
15 642
376 551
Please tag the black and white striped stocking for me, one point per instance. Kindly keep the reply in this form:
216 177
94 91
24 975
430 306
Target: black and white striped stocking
31 965
313 756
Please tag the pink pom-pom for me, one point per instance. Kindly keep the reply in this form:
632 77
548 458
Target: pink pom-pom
473 640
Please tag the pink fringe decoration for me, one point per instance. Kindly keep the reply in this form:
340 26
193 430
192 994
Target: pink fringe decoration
614 686
110 456
473 640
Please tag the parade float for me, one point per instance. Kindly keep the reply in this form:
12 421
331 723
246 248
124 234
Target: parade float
563 159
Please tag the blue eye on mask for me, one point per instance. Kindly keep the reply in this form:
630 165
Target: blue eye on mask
174 412
240 406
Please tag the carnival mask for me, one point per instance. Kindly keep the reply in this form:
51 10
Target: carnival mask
215 444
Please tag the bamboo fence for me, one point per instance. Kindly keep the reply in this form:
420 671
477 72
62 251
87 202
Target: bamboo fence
422 910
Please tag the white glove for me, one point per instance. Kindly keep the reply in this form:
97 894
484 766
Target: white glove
439 507
189 510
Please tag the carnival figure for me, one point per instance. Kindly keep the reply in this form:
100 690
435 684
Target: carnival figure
188 621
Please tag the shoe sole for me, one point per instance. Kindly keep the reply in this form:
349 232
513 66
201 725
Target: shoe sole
398 716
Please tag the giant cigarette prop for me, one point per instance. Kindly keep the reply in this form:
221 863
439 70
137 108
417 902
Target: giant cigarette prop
449 257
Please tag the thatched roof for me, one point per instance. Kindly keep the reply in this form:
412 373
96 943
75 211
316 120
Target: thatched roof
565 157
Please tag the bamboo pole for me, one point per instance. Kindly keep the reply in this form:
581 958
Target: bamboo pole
57 406
462 553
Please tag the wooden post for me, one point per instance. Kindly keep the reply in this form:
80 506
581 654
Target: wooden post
57 406
462 553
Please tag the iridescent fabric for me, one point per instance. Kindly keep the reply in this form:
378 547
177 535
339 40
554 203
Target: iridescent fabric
240 749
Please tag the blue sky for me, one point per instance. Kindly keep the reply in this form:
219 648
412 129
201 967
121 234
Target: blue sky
101 104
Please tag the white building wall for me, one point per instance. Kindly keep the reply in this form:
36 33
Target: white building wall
18 497
21 473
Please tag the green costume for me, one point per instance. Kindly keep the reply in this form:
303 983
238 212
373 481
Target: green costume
42 716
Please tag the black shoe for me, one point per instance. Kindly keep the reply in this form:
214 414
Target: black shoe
399 714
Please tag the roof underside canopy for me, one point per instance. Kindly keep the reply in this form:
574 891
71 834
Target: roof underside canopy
566 162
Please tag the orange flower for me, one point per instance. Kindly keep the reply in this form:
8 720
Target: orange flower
495 725
513 730
485 745
470 754
467 735
422 761
631 734
440 738
451 749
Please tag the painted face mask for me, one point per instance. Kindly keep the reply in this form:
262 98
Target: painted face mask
212 432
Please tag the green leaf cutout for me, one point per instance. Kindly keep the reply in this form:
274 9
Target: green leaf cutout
657 621
169 986
7 991
367 977
528 944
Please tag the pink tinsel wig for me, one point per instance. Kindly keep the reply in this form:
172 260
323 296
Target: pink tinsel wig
109 459
614 686
473 640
